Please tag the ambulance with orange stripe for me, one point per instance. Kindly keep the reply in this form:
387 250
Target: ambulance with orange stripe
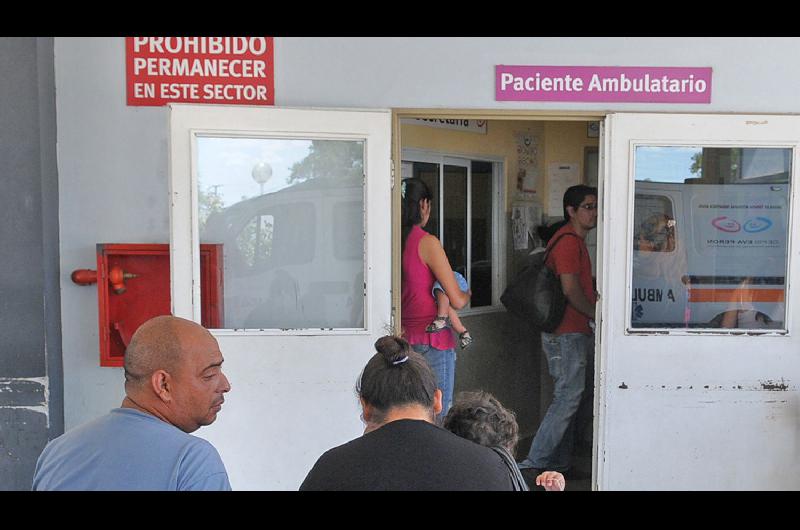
709 256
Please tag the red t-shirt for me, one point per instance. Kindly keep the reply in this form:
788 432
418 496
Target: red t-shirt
570 256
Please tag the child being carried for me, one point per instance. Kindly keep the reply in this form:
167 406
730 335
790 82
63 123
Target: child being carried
446 316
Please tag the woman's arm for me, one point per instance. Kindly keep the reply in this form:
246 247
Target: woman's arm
432 254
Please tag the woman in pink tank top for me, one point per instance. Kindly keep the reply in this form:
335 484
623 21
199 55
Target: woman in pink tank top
424 262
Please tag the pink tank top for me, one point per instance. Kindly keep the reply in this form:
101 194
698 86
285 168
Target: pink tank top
418 304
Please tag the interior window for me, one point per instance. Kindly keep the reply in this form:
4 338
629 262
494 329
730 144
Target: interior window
465 221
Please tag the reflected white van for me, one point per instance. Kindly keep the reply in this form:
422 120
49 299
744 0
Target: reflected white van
293 258
700 251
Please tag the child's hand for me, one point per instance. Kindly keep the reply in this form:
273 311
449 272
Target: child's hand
551 480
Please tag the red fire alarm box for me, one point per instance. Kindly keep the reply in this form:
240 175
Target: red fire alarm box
133 286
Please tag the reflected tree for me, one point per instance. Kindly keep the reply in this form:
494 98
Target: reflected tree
208 202
255 240
340 159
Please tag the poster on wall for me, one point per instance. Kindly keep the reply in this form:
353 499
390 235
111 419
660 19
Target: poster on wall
527 161
525 217
560 176
219 70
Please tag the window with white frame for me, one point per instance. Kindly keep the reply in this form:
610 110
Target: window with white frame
292 229
467 200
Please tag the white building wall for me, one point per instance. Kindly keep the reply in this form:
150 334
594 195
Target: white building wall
113 159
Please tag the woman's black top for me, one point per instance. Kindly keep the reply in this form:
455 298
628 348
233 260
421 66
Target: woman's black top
407 455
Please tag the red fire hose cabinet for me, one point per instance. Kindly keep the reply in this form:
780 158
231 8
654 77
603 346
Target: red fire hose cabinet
133 286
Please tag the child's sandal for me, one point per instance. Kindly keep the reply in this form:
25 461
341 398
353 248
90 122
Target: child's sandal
438 324
465 339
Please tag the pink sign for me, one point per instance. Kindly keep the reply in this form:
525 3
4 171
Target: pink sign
617 84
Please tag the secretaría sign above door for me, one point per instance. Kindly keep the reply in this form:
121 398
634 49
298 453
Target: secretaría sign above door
458 124
227 70
639 84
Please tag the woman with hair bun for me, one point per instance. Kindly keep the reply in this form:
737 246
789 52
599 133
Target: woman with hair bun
402 448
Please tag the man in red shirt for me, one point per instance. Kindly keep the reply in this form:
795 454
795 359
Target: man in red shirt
572 342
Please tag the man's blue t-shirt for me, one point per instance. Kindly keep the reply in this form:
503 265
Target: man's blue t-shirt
129 450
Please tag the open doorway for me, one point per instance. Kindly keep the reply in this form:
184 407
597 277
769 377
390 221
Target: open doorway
494 182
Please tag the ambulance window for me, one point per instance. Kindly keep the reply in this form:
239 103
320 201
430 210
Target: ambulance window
270 203
654 220
254 242
709 241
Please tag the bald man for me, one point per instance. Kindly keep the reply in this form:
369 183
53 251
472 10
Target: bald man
173 386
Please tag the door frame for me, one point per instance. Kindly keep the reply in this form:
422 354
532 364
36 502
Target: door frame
505 115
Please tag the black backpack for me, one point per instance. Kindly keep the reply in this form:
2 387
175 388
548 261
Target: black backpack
535 295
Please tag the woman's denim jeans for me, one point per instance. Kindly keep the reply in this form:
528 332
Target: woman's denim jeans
443 364
566 360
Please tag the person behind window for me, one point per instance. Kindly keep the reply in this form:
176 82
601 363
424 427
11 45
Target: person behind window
173 385
424 263
656 234
480 417
402 449
570 345
742 313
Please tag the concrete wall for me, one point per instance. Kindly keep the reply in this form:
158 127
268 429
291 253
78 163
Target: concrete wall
114 189
30 342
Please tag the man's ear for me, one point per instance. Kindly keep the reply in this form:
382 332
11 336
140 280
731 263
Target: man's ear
437 402
161 383
571 211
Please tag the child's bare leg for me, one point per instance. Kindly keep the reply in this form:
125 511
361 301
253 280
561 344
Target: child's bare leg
455 321
464 338
442 303
442 309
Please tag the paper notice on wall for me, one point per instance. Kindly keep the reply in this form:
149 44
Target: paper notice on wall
533 216
519 227
560 176
525 217
527 161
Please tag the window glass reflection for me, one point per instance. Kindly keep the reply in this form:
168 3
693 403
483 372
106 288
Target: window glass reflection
710 229
290 216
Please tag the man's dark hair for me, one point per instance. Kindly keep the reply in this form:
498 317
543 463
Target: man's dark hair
575 195
395 376
481 418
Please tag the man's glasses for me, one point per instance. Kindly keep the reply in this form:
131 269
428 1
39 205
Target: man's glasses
589 206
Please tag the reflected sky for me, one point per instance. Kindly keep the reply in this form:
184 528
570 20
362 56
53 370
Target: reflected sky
665 164
226 165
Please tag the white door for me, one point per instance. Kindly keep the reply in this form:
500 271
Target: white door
300 201
700 353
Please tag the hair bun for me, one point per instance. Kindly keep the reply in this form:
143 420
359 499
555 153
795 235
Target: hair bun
393 349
